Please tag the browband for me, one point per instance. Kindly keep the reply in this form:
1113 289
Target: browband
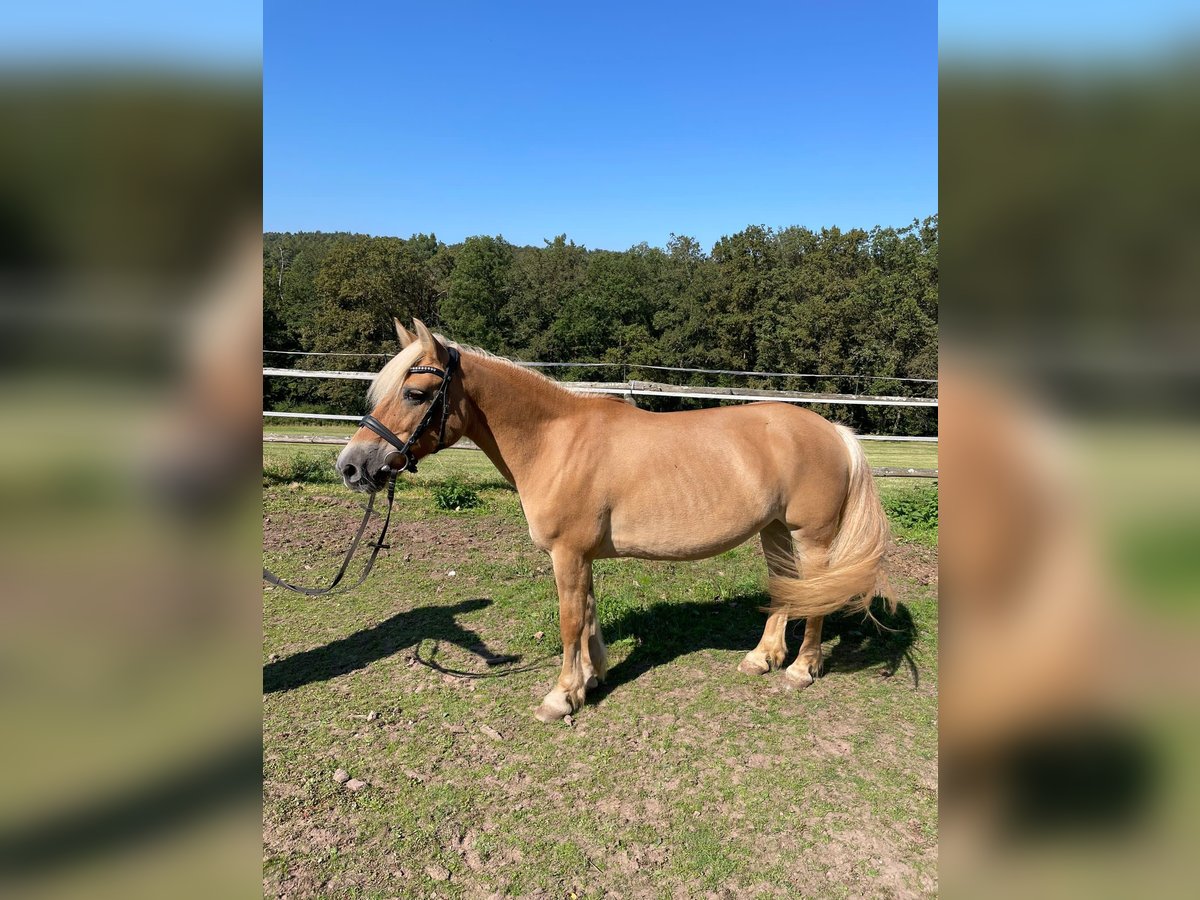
408 463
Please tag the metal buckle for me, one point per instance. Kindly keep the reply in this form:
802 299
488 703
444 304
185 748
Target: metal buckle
396 468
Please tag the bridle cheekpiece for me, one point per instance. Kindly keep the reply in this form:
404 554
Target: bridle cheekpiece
404 448
440 402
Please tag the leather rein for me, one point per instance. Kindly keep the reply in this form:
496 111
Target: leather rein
406 463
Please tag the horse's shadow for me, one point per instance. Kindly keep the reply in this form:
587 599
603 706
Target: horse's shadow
660 633
666 631
360 649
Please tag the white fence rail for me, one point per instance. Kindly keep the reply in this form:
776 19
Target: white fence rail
267 414
625 389
656 389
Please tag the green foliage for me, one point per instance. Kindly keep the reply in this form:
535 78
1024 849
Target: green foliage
303 466
831 302
452 493
914 511
479 290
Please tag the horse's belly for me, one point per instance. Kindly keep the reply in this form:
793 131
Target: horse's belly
665 545
665 533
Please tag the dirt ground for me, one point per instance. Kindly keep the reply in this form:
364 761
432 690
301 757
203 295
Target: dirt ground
680 778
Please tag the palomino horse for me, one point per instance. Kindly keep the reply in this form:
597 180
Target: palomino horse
600 479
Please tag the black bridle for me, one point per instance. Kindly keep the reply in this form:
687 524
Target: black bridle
439 402
406 463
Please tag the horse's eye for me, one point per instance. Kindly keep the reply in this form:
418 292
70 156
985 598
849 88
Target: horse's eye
414 396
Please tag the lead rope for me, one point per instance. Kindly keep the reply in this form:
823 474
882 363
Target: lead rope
270 576
404 448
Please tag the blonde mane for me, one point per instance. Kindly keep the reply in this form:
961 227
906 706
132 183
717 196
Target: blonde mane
390 378
392 375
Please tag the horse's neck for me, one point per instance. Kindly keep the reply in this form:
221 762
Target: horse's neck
512 409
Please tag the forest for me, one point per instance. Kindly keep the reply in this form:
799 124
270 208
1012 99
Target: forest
852 311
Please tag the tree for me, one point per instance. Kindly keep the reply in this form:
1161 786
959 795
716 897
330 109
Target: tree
479 290
360 286
831 302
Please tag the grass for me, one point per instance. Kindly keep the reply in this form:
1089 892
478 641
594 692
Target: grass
308 465
679 777
453 493
913 512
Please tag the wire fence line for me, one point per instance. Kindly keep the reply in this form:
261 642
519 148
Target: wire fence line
632 388
628 366
335 417
636 388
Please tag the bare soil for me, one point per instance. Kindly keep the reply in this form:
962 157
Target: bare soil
680 778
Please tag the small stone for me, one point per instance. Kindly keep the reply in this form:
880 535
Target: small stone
341 776
568 721
538 635
372 716
355 784
451 574
491 732
437 873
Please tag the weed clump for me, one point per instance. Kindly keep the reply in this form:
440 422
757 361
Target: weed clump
453 493
914 512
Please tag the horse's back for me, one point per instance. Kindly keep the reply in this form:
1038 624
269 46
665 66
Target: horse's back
743 433
693 483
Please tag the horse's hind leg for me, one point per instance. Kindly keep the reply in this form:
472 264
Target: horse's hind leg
804 671
781 561
807 666
595 656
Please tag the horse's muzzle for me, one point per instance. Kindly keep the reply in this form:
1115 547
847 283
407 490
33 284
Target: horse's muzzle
364 466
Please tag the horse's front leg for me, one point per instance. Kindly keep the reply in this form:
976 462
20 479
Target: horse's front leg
573 576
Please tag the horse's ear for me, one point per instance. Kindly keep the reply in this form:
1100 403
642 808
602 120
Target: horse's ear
406 337
432 345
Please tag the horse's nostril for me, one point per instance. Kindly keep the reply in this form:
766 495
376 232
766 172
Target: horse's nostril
348 470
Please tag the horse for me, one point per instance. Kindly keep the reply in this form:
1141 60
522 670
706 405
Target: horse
600 478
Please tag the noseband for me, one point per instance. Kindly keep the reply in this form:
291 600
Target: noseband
440 401
404 448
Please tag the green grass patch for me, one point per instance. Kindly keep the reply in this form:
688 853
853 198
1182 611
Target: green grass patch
913 512
453 493
303 466
679 774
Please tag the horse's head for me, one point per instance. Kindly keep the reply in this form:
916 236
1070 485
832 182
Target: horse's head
407 394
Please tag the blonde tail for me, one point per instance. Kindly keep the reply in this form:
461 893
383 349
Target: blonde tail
855 572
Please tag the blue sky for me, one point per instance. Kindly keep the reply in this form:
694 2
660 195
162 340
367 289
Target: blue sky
613 122
213 35
1066 32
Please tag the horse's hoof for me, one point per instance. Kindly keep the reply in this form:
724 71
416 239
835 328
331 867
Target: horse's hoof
750 666
797 681
553 708
592 682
